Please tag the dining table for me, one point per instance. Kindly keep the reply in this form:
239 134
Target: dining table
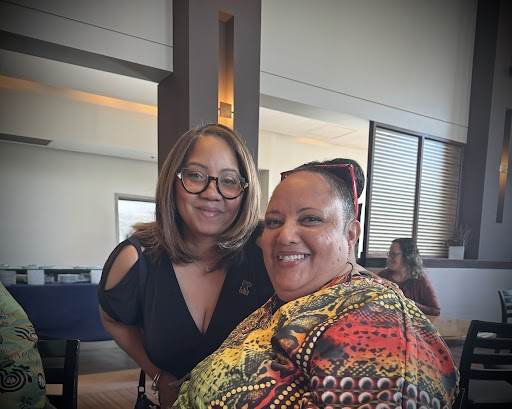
452 330
61 310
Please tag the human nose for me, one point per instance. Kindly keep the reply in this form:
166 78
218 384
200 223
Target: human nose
211 190
288 234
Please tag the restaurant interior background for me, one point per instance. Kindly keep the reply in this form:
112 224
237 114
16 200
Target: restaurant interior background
325 72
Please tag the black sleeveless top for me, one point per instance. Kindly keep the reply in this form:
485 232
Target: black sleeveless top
171 338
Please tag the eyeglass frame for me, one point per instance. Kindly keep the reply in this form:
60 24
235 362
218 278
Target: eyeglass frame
243 184
351 172
393 254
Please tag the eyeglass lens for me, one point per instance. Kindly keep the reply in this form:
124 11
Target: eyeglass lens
229 184
391 254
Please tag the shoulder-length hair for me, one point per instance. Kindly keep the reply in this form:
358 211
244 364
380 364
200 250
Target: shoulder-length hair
165 235
411 254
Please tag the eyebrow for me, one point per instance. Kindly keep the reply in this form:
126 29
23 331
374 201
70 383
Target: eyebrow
202 165
303 209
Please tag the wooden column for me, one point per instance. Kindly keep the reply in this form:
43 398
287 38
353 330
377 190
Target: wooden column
190 95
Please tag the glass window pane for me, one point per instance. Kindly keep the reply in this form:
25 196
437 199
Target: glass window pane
130 212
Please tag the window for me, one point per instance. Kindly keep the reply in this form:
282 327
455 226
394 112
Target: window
131 210
414 190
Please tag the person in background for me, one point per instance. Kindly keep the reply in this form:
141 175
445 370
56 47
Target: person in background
22 383
205 272
332 335
405 268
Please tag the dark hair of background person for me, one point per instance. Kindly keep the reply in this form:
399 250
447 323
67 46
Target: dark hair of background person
166 233
412 257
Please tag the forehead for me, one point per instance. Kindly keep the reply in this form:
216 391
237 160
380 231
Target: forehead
210 146
305 189
395 247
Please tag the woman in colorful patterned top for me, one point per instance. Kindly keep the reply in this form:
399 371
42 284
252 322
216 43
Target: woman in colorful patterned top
332 335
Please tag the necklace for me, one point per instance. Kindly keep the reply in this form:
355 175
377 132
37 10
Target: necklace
344 278
203 267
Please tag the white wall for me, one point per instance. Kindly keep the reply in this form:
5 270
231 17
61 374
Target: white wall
58 207
401 62
469 293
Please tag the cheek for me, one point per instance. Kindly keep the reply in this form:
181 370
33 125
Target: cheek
233 206
266 244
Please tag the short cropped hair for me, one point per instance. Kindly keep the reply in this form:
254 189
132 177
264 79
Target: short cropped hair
341 188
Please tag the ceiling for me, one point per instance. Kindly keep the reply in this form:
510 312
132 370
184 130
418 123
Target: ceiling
281 117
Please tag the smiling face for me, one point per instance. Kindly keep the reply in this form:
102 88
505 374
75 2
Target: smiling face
305 242
207 214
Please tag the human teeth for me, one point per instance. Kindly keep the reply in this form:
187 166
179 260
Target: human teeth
292 258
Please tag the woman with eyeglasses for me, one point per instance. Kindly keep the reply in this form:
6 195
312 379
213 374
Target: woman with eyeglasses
405 268
333 335
204 271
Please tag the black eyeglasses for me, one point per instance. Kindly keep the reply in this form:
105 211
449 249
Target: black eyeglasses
393 255
344 171
229 184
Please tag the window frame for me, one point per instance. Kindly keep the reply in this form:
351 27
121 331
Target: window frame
375 259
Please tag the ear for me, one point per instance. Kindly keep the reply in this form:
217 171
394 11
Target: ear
353 232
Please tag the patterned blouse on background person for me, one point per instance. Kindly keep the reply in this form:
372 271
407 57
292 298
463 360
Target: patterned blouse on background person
22 383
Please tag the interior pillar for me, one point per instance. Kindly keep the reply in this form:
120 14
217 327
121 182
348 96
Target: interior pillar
190 95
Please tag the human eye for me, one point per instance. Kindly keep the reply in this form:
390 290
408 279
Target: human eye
229 180
272 222
195 175
310 220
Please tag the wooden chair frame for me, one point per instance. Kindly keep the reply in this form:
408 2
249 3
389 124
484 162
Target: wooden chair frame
60 364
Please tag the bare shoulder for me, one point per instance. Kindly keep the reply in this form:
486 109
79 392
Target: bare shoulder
124 261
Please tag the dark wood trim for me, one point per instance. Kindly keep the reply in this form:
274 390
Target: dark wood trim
418 134
369 169
447 263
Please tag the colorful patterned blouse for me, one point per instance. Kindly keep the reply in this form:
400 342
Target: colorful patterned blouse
22 383
354 344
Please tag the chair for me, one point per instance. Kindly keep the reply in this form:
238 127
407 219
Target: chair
506 304
486 366
60 364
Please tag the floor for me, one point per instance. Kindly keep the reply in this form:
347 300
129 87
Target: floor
103 356
107 377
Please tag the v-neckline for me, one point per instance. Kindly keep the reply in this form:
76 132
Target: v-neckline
184 302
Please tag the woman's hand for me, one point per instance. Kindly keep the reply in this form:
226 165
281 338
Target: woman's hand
167 394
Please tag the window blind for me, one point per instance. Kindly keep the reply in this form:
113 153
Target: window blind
438 200
393 189
405 203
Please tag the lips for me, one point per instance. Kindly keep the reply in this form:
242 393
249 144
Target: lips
291 259
209 211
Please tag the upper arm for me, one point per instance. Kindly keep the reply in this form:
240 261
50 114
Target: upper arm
124 261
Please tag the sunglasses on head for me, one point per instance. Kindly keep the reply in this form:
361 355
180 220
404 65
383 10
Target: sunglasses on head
344 171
